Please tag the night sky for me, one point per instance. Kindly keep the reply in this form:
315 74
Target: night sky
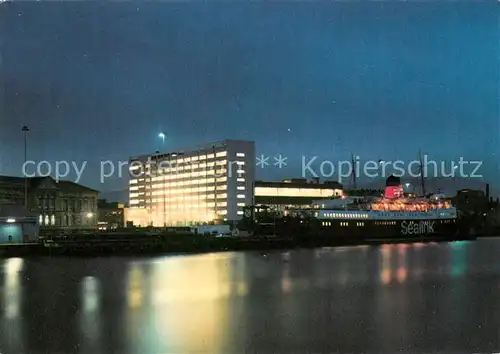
98 81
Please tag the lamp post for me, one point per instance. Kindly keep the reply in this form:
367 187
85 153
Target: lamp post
215 183
162 135
25 130
409 188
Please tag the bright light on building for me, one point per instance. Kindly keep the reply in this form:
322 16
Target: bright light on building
295 192
11 220
89 215
197 185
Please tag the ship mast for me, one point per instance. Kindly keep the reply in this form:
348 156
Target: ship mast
422 179
353 172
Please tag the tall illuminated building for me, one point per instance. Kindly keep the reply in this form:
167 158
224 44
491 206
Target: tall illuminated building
192 186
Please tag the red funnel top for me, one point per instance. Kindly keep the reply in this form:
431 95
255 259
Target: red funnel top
392 192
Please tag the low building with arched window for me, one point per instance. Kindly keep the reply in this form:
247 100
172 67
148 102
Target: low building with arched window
57 204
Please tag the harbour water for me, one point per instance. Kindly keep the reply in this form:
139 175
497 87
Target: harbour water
378 299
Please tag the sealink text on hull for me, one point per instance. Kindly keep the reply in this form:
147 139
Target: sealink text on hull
417 228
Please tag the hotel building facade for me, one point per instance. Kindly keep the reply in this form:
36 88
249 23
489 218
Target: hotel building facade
207 183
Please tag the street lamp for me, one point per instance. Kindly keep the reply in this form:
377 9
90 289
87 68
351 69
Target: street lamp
409 187
162 137
25 130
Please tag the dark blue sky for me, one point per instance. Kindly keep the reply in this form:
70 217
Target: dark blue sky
98 81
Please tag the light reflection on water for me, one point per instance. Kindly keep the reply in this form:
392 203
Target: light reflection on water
90 315
11 300
189 296
12 294
239 302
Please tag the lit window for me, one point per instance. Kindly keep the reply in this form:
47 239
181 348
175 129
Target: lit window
240 180
240 154
241 188
46 221
240 212
53 219
40 219
240 196
241 204
240 171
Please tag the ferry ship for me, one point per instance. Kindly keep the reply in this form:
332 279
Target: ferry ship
389 216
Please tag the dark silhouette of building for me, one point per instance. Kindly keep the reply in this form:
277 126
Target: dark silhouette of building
58 204
471 201
111 214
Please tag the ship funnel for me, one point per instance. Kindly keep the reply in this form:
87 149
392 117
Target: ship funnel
393 187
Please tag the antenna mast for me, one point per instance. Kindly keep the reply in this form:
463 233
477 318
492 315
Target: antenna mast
422 179
353 172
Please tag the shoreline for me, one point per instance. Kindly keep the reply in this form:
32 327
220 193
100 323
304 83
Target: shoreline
189 245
